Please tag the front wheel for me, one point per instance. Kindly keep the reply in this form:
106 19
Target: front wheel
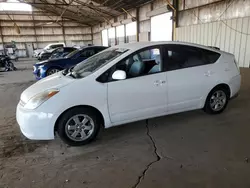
217 101
78 126
52 71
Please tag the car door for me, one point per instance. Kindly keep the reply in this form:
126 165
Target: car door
188 77
143 93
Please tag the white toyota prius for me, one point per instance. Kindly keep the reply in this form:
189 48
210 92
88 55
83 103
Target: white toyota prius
127 83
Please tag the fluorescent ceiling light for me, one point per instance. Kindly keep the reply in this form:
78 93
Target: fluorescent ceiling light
14 5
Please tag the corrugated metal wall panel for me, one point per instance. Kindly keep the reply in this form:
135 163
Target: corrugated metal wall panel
50 38
212 12
247 54
232 36
243 41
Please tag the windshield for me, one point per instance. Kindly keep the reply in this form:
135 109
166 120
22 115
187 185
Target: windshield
47 47
97 61
72 54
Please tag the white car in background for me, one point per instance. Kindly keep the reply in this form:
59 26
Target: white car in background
127 83
48 48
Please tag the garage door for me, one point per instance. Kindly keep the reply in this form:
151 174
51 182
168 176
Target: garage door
161 27
105 41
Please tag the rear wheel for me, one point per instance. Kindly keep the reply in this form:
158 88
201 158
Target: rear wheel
78 126
217 100
52 71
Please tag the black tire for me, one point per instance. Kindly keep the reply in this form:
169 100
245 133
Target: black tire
66 118
208 105
8 66
52 71
11 66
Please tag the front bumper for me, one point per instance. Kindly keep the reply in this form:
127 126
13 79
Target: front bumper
39 72
34 124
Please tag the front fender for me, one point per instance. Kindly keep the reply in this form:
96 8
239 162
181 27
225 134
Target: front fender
82 92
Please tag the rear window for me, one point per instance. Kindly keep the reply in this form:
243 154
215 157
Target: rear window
56 46
212 57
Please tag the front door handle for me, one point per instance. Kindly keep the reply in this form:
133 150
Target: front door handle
159 82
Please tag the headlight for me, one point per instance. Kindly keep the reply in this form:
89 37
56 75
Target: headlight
40 98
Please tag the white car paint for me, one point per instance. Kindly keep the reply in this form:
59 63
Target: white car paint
126 100
46 48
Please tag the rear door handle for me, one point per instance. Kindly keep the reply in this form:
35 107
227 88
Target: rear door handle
162 81
208 73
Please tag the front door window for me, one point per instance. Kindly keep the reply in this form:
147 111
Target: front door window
142 63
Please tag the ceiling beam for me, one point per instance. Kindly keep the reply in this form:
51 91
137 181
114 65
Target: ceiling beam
73 15
41 3
92 7
70 17
65 21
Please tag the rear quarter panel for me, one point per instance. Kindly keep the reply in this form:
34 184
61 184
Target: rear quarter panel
224 71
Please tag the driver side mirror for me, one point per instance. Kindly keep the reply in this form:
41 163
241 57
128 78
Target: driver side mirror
119 75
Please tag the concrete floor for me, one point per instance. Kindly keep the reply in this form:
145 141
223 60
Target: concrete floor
190 149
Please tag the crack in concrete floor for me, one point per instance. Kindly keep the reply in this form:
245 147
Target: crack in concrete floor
157 155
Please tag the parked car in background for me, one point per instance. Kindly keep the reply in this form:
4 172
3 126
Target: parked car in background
127 83
6 64
62 52
11 51
51 66
49 48
55 53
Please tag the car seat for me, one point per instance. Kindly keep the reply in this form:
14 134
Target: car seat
137 67
157 67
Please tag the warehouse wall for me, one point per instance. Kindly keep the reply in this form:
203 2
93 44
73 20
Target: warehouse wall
144 23
232 36
224 24
40 30
221 23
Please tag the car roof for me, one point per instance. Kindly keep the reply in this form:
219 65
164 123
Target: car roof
55 43
68 47
86 47
139 45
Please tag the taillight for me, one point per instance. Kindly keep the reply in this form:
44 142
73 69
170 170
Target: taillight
236 64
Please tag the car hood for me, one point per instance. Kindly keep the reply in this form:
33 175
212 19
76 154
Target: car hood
38 50
44 52
50 61
55 81
49 51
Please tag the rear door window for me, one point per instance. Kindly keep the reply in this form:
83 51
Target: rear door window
182 56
